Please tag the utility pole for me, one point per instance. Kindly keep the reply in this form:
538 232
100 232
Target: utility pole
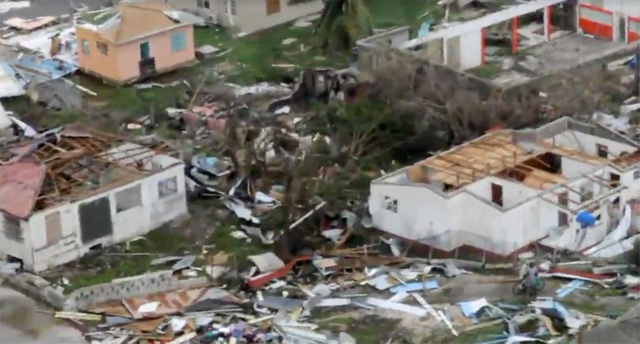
636 79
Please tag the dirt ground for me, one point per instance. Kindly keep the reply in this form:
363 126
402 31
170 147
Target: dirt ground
367 325
21 324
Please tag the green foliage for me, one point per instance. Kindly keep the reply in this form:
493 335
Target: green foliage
342 22
634 254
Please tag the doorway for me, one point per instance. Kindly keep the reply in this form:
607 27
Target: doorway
615 180
563 217
145 51
496 194
622 29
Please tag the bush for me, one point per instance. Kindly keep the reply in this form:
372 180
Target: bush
634 254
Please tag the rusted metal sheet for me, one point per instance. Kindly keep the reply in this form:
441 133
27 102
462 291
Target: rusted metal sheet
20 184
169 303
264 279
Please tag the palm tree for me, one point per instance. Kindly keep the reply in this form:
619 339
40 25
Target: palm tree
342 22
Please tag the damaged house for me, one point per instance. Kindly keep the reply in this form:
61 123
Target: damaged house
137 41
67 191
494 197
248 16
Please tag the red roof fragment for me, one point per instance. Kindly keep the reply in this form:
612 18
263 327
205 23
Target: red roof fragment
20 184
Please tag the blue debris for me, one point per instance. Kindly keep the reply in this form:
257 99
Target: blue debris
569 288
425 27
45 69
585 219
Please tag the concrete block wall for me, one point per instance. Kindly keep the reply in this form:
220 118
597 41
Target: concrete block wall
394 37
370 57
37 288
137 286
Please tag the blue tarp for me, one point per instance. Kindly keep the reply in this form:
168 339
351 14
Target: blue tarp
424 28
585 218
633 62
46 69
569 288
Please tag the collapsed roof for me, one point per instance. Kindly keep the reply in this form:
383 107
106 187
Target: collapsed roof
65 164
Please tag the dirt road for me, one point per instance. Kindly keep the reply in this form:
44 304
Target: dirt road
20 324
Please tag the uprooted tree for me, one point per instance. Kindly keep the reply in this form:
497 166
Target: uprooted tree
408 111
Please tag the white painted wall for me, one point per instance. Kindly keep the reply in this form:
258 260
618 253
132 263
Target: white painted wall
471 50
126 225
626 7
463 218
579 141
21 250
573 168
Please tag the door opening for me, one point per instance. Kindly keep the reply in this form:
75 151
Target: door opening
496 194
145 51
563 217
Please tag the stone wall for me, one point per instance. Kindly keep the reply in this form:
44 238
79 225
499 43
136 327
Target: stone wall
137 286
372 57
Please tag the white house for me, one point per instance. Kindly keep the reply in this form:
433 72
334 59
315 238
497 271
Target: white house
249 15
610 19
66 192
495 196
462 45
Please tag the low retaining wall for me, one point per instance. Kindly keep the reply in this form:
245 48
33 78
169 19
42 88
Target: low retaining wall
37 288
555 78
137 286
41 290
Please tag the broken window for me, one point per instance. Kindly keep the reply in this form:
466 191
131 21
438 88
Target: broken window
178 41
128 198
603 151
53 227
12 229
103 48
206 4
232 8
615 179
496 194
391 204
168 187
273 7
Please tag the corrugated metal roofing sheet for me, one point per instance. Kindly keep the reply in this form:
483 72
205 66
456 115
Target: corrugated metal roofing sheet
169 303
10 85
20 184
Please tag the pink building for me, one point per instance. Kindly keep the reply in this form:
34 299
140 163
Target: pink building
137 42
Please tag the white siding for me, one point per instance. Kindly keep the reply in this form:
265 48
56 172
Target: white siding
252 15
596 16
573 168
579 141
21 250
424 215
126 224
631 8
471 50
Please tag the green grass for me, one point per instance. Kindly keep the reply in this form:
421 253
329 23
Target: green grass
444 335
102 268
386 13
251 58
487 70
367 329
238 248
97 18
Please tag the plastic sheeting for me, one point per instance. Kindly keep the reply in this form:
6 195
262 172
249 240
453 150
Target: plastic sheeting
617 248
616 235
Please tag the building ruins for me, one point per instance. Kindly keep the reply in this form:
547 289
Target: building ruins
68 190
494 197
